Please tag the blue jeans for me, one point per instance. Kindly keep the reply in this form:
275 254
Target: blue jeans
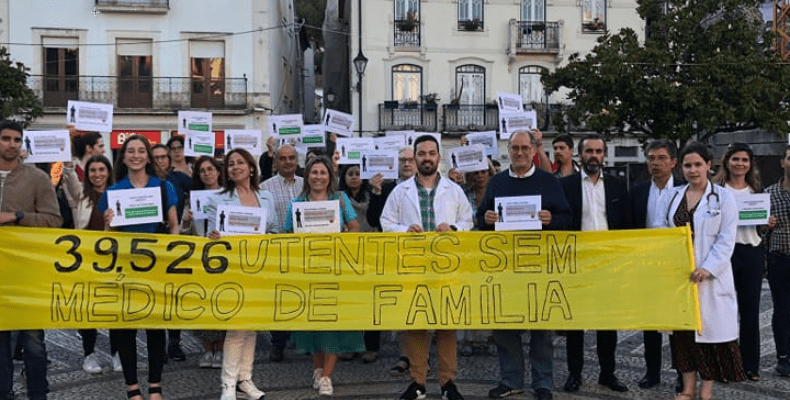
35 358
511 358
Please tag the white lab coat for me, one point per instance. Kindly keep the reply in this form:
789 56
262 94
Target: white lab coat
714 241
402 208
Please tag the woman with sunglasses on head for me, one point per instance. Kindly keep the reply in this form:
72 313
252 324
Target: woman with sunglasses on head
320 184
206 176
739 174
241 189
712 213
134 170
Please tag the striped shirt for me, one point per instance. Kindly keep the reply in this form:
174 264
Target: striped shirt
283 192
780 207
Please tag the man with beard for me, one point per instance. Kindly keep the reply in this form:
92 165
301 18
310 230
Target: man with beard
563 156
597 204
428 202
27 198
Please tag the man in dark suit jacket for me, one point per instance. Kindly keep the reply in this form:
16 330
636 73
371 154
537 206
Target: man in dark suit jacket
597 203
662 157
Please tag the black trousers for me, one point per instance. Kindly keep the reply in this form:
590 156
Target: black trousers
606 347
653 341
748 268
126 340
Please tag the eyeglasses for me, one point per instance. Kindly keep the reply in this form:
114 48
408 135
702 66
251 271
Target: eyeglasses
207 170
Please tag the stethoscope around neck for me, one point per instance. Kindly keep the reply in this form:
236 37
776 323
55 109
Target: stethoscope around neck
714 206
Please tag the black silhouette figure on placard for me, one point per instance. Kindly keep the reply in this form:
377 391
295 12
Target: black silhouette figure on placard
500 102
499 211
343 150
504 127
73 113
364 164
27 145
222 220
228 141
298 218
327 120
190 142
118 208
198 204
455 163
377 147
274 128
411 140
184 123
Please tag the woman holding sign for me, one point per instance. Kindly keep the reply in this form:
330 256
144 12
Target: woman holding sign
712 213
739 174
320 184
241 189
135 170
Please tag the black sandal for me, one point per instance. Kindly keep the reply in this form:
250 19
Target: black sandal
133 393
154 389
400 367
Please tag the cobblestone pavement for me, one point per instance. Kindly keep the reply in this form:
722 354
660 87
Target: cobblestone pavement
291 378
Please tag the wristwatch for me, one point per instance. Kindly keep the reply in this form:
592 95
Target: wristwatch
19 215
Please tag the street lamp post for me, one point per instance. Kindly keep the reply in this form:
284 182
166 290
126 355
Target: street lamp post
360 62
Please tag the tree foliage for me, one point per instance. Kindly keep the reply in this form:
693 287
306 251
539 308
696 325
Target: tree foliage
313 13
704 68
16 99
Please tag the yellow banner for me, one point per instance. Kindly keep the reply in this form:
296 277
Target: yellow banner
64 279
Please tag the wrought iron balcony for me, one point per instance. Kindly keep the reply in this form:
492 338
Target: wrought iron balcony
538 37
147 93
397 117
470 117
134 6
407 33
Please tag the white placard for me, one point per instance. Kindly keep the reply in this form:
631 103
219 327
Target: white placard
339 122
198 144
286 126
313 136
316 216
351 149
753 209
509 102
487 139
249 140
46 146
391 142
240 220
517 213
135 206
194 122
86 116
468 158
198 201
516 121
379 162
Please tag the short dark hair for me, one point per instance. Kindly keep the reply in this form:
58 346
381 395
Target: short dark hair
13 125
565 138
696 147
670 146
81 142
425 138
592 136
179 139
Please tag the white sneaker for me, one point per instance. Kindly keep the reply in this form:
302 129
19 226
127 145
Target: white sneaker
217 361
206 359
116 363
228 392
249 391
325 386
91 364
317 374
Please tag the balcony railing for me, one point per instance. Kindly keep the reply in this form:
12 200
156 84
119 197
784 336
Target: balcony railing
398 117
538 36
594 27
134 6
407 33
470 117
149 93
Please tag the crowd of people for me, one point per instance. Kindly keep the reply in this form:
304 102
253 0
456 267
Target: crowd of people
730 258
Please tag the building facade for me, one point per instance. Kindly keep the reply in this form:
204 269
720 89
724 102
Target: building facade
437 65
152 58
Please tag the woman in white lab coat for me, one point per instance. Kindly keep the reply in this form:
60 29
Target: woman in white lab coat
712 213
